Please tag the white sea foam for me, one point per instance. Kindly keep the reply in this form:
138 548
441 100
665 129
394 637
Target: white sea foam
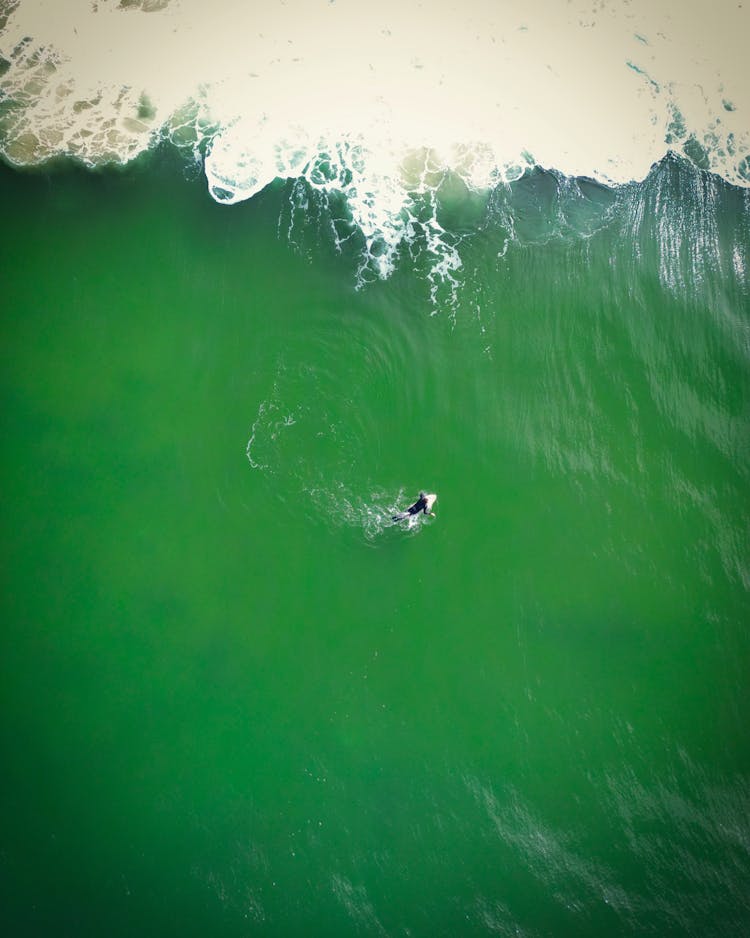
379 101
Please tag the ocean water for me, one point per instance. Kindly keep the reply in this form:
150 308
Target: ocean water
239 329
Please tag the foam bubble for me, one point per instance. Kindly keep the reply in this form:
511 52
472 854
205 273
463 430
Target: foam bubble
380 101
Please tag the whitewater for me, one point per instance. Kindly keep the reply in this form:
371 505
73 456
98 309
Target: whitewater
237 699
378 101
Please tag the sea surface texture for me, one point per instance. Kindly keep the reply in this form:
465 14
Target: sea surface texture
270 269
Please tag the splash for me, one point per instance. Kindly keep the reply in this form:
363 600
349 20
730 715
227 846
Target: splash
320 485
384 104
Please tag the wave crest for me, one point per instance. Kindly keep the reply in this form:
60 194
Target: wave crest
384 105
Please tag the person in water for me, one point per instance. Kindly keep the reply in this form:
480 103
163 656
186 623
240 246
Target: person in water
423 504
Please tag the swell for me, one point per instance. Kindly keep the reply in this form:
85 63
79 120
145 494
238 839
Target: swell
375 102
606 331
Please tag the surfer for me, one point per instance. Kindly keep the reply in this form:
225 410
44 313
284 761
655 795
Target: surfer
424 504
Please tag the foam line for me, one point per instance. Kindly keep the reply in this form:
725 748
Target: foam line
380 101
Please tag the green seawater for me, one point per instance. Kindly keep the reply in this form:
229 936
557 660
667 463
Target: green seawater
234 702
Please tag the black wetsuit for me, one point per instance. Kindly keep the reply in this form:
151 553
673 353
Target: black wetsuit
419 505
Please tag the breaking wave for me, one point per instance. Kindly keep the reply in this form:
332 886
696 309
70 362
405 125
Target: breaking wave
386 107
